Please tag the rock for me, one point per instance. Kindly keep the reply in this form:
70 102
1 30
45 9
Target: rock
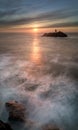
55 34
31 87
5 126
16 111
50 127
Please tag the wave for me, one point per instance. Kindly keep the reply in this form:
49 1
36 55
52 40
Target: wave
49 92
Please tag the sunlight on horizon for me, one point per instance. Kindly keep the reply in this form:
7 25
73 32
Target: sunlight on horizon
35 29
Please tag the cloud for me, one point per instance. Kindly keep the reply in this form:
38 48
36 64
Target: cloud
23 12
7 13
64 24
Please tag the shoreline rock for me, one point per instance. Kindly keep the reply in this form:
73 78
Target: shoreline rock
16 111
5 126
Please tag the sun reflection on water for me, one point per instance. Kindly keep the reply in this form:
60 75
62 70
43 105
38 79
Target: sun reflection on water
36 51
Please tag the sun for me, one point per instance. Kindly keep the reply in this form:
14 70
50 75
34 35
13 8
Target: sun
35 29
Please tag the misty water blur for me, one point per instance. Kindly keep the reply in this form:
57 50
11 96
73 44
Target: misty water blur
42 73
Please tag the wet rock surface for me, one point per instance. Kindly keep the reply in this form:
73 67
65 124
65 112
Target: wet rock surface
5 126
16 111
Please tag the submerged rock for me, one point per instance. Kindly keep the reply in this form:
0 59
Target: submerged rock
55 34
5 126
50 127
31 87
16 111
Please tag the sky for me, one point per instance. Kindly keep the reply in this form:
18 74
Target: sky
25 15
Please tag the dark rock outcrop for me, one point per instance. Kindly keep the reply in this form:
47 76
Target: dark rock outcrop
16 111
55 34
5 126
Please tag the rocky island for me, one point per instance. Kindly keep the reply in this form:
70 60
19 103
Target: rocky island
55 34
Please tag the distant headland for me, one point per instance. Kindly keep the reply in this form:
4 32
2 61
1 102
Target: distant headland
55 34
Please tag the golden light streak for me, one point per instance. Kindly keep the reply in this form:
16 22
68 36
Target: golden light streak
36 55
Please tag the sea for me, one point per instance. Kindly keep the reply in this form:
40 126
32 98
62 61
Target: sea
42 74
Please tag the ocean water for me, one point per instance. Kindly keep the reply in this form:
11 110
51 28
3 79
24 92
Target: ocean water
42 74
